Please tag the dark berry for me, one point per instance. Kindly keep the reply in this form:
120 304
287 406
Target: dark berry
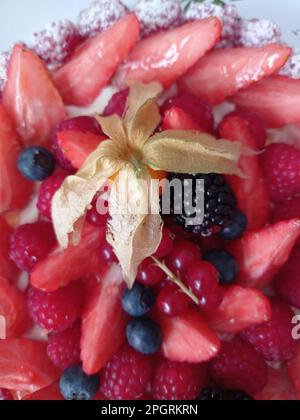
76 385
138 301
144 335
225 263
183 255
219 203
236 228
36 163
149 273
171 301
216 394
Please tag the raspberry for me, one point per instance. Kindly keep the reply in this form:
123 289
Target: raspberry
99 16
273 339
30 243
57 42
292 67
64 348
56 311
257 33
47 191
177 381
281 165
127 375
157 15
5 395
286 210
4 58
288 281
117 104
239 366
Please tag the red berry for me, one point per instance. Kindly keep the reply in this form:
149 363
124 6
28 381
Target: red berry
149 274
239 366
273 339
117 104
171 301
6 395
107 253
64 348
288 281
56 311
198 109
286 210
202 277
281 164
177 381
30 243
94 217
127 375
57 42
183 255
47 191
166 244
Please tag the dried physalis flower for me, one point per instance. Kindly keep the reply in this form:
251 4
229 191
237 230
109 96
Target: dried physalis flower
135 228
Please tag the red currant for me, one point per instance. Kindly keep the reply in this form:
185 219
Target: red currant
182 256
149 274
94 217
107 253
202 278
166 244
172 302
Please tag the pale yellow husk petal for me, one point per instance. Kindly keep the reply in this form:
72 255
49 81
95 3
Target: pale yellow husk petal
135 229
114 128
192 152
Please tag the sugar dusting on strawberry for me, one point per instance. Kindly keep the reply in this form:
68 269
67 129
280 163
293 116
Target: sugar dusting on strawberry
257 33
292 67
3 69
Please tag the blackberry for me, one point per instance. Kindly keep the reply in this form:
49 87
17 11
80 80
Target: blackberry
216 394
219 203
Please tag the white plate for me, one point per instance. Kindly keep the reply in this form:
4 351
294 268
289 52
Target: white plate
20 18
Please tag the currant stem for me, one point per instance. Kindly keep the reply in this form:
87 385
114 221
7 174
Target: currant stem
176 280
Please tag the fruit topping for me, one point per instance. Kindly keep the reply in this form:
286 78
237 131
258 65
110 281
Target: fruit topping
36 163
47 191
138 301
63 348
76 385
144 335
225 264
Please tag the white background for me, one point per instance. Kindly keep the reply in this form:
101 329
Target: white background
20 18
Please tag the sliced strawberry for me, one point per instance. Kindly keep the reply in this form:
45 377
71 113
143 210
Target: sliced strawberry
77 146
251 191
294 370
89 70
275 99
241 308
31 97
223 72
24 365
14 189
176 119
166 56
261 254
50 393
278 388
187 338
63 266
103 321
13 307
7 267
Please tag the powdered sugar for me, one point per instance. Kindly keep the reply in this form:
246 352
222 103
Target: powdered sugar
4 57
292 67
55 43
99 16
156 15
257 33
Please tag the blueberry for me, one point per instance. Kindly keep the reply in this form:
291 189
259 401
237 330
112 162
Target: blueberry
235 229
76 385
225 263
144 335
138 301
36 163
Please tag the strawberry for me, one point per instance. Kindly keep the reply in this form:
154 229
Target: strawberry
77 146
63 266
24 365
287 209
274 99
278 388
287 284
241 308
91 67
261 254
103 320
7 268
294 370
50 393
176 119
166 56
31 98
251 191
13 307
223 72
187 338
14 189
